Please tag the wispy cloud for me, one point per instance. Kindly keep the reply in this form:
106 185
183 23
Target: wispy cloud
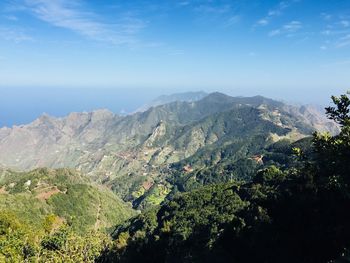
221 13
263 22
233 20
184 3
14 34
344 23
326 16
11 17
276 11
72 15
336 31
292 26
275 32
343 41
214 9
288 29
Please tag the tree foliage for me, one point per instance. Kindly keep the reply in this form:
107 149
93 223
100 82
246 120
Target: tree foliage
296 212
299 214
20 243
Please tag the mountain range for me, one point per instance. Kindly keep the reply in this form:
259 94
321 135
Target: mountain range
165 99
135 155
212 179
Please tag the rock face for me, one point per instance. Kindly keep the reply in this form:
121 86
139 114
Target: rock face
123 151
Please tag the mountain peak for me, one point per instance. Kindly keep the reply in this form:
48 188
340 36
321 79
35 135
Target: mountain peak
165 99
101 114
43 118
217 96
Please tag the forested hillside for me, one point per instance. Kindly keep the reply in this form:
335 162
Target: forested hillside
178 131
65 193
260 192
298 214
49 215
139 155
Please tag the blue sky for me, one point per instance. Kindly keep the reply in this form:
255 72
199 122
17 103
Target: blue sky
292 49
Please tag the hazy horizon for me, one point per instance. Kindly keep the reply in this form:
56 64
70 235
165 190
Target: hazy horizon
23 105
60 56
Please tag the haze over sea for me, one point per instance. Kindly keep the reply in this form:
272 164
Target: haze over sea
21 105
59 56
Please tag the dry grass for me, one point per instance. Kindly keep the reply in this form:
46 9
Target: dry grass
47 193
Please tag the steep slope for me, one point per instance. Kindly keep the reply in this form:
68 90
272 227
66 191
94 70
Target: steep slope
298 214
134 154
64 193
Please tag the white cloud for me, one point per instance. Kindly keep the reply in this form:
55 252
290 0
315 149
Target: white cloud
14 34
209 12
70 15
277 11
213 9
273 13
263 22
233 20
326 16
345 23
11 18
288 29
337 30
343 41
326 32
292 26
274 32
184 3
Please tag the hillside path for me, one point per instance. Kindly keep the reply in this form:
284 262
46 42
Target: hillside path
98 221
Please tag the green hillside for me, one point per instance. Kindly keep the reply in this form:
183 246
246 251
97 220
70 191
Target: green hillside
238 185
298 214
64 193
230 137
139 155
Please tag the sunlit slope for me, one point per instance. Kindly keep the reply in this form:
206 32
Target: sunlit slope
34 195
133 154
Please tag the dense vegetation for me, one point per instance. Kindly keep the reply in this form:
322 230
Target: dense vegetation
299 214
49 215
62 192
19 242
292 207
141 156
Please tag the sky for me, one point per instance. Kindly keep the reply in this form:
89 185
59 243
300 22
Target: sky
295 50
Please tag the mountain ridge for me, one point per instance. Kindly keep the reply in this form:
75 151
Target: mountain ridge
126 152
165 99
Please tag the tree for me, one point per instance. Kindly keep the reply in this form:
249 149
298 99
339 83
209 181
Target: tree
341 112
333 152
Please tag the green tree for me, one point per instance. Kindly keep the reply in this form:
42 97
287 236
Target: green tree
333 152
16 239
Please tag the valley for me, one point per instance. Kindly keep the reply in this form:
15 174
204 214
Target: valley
134 155
155 178
152 131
